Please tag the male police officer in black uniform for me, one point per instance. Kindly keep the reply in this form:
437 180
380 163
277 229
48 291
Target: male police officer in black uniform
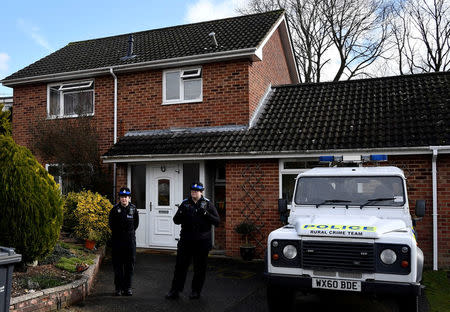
196 214
123 221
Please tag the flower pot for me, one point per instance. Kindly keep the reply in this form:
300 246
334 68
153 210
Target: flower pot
89 244
247 252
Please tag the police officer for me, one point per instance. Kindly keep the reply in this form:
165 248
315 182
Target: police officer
123 221
196 214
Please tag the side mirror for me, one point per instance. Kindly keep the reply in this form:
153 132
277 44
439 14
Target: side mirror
283 210
420 208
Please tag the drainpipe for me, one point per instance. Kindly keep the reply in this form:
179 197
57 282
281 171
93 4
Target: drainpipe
435 150
435 215
115 131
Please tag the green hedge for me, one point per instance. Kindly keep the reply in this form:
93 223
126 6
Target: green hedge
30 203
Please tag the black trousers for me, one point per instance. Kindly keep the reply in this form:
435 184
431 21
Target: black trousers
187 250
123 259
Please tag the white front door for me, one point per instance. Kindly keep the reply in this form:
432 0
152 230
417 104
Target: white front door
164 195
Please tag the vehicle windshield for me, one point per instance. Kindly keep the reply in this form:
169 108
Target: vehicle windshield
350 191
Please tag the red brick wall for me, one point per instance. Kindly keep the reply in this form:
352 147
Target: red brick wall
260 180
272 70
419 182
225 102
30 105
417 170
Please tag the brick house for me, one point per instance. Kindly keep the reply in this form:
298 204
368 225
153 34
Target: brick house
220 102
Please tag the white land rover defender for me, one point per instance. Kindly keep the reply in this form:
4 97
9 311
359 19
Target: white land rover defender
349 229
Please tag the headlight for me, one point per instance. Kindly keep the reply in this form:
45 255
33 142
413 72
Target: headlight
388 256
290 252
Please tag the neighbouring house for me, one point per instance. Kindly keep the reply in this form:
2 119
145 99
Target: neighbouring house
7 102
221 102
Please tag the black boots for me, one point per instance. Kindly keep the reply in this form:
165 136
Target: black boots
194 295
119 292
128 292
173 294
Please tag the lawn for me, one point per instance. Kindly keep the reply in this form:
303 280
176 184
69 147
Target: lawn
438 290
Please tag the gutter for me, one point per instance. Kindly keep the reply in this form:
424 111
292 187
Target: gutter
115 130
178 61
265 155
435 150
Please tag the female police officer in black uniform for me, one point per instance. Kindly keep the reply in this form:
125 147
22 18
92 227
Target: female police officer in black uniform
196 214
123 221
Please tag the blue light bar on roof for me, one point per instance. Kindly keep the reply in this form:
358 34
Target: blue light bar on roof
326 158
378 157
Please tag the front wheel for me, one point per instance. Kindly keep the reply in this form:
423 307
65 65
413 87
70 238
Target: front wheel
408 303
280 298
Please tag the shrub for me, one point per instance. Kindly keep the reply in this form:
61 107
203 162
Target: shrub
70 264
91 215
245 228
31 203
70 205
5 121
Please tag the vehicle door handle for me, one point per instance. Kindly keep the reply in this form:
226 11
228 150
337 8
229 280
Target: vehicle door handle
150 206
163 211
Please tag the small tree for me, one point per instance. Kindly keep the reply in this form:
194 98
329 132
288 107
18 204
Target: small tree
31 203
245 228
5 121
73 145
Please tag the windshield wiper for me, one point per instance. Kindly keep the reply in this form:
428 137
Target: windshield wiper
332 201
375 200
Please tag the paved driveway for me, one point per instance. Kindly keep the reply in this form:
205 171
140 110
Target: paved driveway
230 286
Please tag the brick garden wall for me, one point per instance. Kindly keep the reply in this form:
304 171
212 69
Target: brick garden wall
242 174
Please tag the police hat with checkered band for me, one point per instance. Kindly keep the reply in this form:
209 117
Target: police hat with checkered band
124 191
197 186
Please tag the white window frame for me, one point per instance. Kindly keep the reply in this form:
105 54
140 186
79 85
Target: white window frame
67 88
183 76
58 178
282 171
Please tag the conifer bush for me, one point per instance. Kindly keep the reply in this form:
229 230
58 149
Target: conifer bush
31 205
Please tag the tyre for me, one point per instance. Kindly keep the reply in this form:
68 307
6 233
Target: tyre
408 304
280 299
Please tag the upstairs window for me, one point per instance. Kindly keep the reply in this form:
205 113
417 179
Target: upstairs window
182 85
70 99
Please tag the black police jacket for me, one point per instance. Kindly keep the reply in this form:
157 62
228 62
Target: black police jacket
123 222
196 219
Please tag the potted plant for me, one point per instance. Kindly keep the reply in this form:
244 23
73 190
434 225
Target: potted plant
92 238
245 228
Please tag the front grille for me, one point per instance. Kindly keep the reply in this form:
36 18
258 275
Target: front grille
338 256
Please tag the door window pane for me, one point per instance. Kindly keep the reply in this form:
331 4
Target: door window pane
138 186
163 192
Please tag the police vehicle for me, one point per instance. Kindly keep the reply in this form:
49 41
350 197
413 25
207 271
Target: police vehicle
349 229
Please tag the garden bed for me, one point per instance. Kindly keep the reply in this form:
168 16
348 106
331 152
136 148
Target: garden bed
63 266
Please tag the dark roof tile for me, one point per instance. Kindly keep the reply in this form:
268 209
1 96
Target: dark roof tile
234 33
390 112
